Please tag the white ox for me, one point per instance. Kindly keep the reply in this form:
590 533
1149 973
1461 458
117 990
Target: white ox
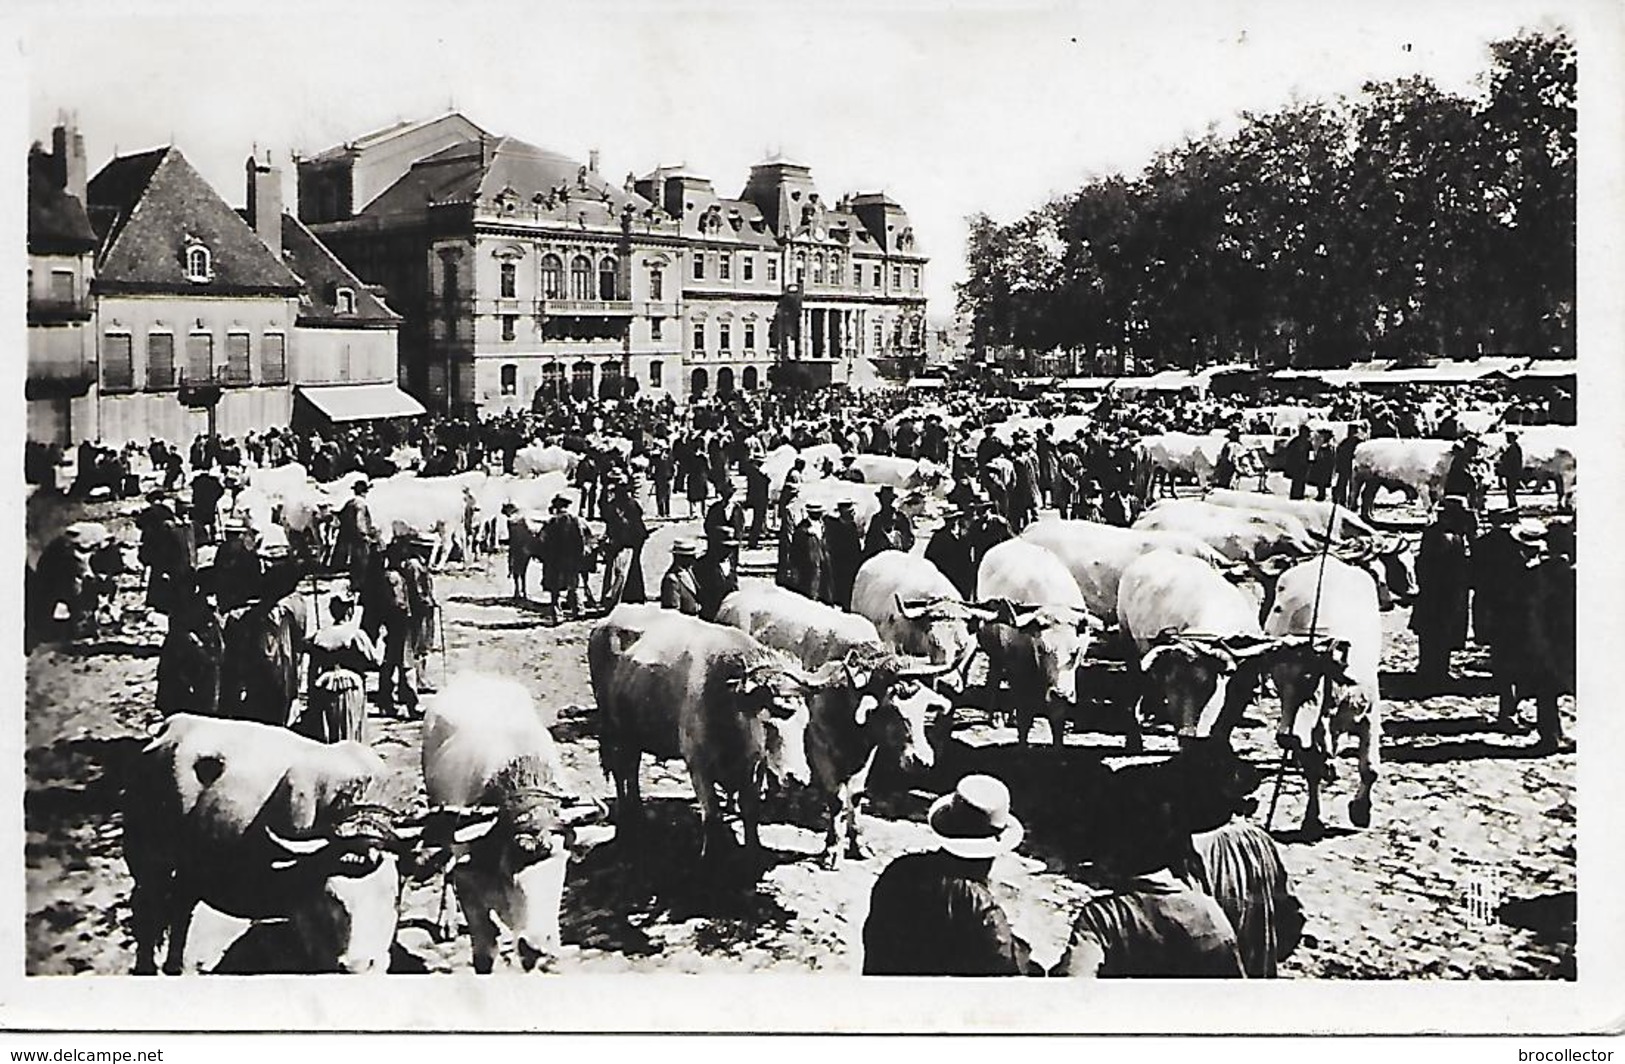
1172 453
1240 535
1549 456
261 824
905 474
871 701
1096 554
821 459
1414 466
915 608
539 458
1040 636
431 506
490 764
1345 609
1340 521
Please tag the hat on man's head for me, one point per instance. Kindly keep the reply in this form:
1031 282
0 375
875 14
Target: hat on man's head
975 821
1505 515
721 537
886 492
814 508
560 502
685 548
1453 504
362 486
1529 530
846 504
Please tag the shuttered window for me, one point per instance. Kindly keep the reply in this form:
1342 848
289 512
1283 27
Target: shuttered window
160 361
118 362
237 371
200 358
274 358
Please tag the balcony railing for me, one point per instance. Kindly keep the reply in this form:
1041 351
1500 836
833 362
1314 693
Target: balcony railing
561 307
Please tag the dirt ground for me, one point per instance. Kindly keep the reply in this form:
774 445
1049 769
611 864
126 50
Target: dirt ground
1461 811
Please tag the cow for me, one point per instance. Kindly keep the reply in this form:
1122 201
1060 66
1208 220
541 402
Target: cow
1040 636
1416 467
1240 535
1548 457
431 506
539 458
1173 454
877 701
673 685
1330 598
916 609
1096 555
1202 645
490 763
1324 517
821 460
905 474
262 824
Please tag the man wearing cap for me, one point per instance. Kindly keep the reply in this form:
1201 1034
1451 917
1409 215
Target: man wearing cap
725 516
422 605
1509 468
237 566
356 536
1149 923
844 545
935 913
716 573
805 565
624 536
950 551
1439 612
889 528
679 588
1461 477
849 470
167 551
563 550
756 488
1295 460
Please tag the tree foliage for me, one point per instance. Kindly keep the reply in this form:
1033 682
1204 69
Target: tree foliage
1404 222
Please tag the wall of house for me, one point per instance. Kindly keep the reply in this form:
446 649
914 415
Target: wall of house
344 356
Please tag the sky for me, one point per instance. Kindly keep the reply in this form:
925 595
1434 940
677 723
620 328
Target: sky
951 109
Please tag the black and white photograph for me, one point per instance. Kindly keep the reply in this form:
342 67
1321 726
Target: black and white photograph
552 498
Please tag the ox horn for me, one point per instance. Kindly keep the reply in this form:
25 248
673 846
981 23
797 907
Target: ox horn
298 847
910 611
924 671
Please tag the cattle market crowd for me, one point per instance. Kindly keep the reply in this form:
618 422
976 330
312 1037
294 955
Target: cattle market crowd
795 592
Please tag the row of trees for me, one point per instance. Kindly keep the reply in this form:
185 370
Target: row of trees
1405 222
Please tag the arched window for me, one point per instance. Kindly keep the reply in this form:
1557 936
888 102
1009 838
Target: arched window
657 285
818 269
510 280
698 381
607 279
581 278
198 264
749 377
552 277
725 381
510 379
552 381
610 385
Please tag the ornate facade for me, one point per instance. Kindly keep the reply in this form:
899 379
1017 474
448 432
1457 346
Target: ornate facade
520 271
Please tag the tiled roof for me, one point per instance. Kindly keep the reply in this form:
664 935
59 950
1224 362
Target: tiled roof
146 208
323 275
476 171
57 223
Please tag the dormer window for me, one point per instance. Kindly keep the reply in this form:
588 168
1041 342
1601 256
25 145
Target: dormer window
344 301
199 264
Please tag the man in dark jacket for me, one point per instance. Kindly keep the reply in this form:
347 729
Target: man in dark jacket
679 589
756 490
1343 465
1500 577
1322 461
890 528
1295 461
844 545
1509 468
189 661
950 551
206 494
935 913
805 565
1439 613
563 550
716 574
725 516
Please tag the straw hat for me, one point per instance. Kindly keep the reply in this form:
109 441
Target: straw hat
974 821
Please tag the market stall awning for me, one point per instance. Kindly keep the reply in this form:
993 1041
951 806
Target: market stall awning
926 383
1550 368
361 402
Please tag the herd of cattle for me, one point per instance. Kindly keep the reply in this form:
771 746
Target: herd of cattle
261 823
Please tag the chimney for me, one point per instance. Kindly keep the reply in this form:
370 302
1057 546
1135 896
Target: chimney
68 152
265 202
592 161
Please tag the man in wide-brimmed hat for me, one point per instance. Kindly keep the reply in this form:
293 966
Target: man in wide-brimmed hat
950 551
357 535
1439 612
679 589
843 543
935 913
1150 922
889 528
804 563
563 549
716 572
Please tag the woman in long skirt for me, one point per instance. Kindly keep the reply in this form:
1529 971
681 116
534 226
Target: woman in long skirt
340 653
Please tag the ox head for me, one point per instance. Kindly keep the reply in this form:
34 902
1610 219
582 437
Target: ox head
511 851
895 701
944 626
1058 637
771 693
346 923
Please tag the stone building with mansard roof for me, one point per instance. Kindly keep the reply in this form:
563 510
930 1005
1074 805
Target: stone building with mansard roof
519 270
